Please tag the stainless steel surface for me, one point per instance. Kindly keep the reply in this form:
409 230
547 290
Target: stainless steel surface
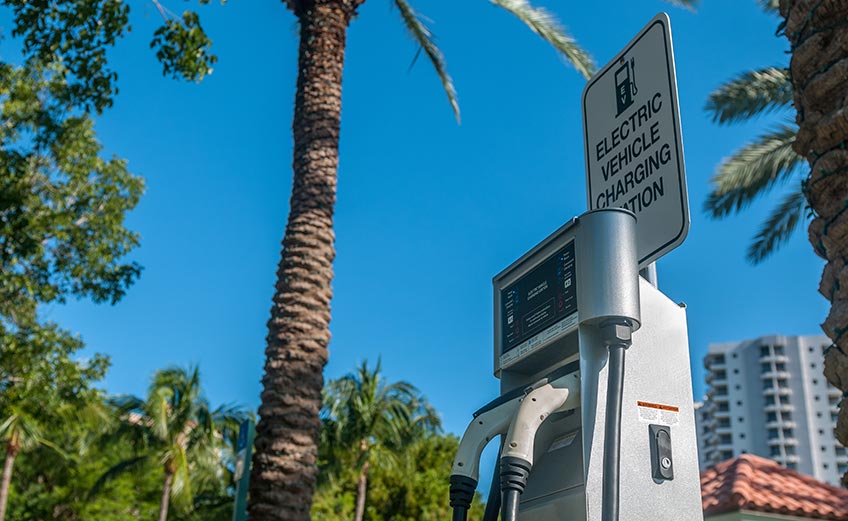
607 267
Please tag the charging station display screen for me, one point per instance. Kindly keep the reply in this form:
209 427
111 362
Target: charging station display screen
539 299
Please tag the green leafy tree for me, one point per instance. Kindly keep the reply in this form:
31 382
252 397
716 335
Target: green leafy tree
415 488
176 428
367 422
40 385
818 41
763 164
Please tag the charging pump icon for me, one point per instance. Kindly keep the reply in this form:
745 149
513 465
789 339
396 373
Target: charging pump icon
625 86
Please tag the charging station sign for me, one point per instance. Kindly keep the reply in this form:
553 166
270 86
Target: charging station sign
634 148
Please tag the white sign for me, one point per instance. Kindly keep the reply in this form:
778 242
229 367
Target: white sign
634 150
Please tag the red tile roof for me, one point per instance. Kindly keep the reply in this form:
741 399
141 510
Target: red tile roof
753 483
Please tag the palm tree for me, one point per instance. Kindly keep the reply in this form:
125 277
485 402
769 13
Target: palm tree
818 39
284 468
174 427
19 432
761 165
368 420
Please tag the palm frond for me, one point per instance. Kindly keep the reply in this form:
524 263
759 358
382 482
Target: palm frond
543 23
777 229
752 171
749 94
686 4
424 37
770 6
115 472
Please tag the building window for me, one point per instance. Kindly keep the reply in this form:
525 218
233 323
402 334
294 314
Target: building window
818 414
784 400
840 451
741 435
739 403
825 466
734 355
790 450
824 449
792 465
726 454
740 419
770 400
780 366
816 397
775 450
842 468
765 367
738 387
771 417
783 383
812 366
778 350
718 359
788 433
724 439
723 423
764 350
833 417
723 406
736 371
768 384
815 382
772 434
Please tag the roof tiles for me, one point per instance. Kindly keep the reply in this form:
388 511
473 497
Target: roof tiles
753 483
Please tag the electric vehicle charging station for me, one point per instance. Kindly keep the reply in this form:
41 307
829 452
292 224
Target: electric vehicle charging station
584 435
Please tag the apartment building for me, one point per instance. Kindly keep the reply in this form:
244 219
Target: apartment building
768 397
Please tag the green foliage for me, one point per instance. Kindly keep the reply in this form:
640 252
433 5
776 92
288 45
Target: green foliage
175 428
750 94
779 226
752 171
760 165
62 206
414 489
543 23
183 48
422 35
74 36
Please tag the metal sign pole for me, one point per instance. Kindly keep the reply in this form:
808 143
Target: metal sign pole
244 448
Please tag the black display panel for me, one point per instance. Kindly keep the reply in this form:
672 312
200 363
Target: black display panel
539 299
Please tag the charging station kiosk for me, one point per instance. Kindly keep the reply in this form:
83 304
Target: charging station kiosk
551 307
596 416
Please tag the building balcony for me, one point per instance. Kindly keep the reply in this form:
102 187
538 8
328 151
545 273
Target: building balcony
774 441
790 441
786 424
775 374
774 358
778 391
789 458
721 414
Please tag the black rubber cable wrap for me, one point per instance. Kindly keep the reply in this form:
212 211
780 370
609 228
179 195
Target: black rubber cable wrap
461 494
493 503
514 474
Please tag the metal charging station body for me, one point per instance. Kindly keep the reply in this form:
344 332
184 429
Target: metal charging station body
548 307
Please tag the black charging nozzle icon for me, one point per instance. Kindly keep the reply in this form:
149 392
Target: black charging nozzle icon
625 85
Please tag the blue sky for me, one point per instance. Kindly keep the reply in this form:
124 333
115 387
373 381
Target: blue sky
428 210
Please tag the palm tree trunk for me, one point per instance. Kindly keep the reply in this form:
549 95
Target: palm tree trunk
361 490
11 454
166 496
819 66
284 463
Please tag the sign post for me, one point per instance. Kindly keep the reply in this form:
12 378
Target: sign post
634 147
242 471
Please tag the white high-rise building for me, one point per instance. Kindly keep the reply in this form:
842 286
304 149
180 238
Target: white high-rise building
768 397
